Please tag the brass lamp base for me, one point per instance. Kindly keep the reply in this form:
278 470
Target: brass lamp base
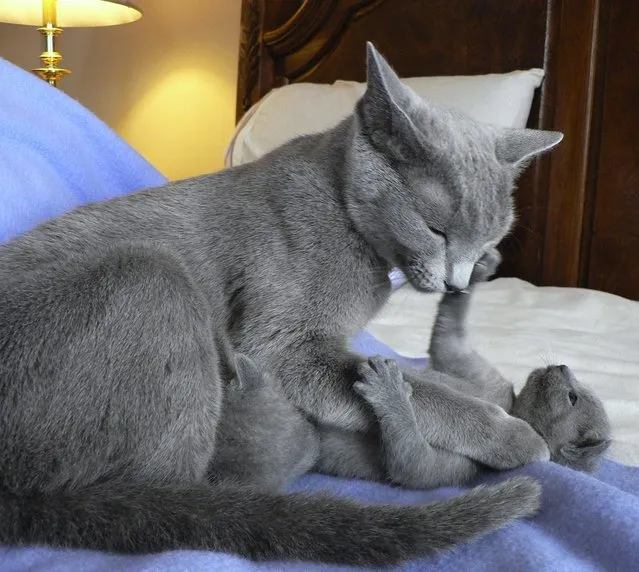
50 72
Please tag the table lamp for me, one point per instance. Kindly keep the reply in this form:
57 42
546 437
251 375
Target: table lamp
52 15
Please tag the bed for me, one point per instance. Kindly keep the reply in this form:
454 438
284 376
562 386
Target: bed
537 311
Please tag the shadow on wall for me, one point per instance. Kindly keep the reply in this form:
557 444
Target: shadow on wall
166 83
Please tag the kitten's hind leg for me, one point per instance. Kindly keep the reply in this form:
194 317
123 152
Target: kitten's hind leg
410 460
450 350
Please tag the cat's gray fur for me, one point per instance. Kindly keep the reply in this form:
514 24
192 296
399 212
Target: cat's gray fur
262 440
111 315
569 416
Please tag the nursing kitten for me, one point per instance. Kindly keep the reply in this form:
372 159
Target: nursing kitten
110 375
568 415
262 440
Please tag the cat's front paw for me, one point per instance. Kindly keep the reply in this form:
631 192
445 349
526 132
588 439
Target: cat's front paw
381 380
486 266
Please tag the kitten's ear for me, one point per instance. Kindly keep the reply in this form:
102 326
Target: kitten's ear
519 146
248 374
382 109
586 455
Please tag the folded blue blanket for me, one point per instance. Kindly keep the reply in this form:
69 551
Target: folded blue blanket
55 155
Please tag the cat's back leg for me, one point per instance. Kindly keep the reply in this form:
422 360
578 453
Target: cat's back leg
109 370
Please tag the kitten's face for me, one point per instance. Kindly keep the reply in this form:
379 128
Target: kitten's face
429 187
569 416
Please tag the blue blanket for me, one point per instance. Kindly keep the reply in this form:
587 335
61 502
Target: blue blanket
587 523
55 155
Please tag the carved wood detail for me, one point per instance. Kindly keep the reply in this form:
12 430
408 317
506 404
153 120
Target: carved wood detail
308 37
250 47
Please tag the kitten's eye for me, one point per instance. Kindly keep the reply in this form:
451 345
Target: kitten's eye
438 233
572 396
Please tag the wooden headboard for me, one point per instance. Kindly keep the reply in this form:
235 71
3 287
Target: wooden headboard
285 41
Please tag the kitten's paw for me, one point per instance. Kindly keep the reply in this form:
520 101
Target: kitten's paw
364 389
486 266
380 379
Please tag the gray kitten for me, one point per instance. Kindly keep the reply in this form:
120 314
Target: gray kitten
113 315
262 440
568 415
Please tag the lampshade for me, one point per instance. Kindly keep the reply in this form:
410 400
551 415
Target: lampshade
70 13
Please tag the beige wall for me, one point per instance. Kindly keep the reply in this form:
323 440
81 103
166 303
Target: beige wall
166 83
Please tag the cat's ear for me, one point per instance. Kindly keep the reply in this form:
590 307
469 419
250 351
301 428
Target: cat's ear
248 374
381 80
520 146
382 109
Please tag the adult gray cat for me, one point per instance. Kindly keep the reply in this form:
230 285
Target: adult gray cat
109 372
569 416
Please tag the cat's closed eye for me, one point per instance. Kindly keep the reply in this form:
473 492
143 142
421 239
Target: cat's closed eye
572 396
437 232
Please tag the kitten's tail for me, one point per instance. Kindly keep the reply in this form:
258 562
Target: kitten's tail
259 526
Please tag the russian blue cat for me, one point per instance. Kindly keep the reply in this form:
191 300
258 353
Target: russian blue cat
112 316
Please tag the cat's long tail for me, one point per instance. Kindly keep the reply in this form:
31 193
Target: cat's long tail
259 526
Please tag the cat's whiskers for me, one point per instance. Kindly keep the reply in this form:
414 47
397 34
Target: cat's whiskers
529 230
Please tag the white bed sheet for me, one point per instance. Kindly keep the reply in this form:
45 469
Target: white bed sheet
519 326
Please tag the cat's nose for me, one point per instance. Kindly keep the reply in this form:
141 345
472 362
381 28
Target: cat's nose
459 277
451 289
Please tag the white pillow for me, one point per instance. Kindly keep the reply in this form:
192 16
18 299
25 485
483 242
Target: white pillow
301 108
